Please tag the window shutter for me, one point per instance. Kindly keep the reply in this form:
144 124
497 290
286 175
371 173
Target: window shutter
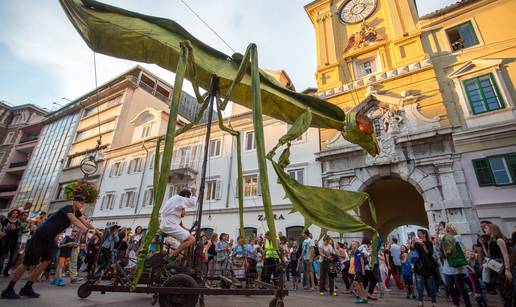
483 172
132 199
511 163
103 203
112 171
121 205
258 186
218 185
112 202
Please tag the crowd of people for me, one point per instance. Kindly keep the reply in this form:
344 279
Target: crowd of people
425 266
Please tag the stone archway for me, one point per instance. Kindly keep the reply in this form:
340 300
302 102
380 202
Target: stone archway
397 203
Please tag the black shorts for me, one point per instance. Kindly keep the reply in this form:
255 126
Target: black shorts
39 250
407 279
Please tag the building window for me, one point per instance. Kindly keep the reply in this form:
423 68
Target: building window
146 131
365 67
483 94
212 190
496 170
9 138
103 106
249 232
95 131
215 148
249 141
251 186
462 36
108 202
128 199
295 233
148 197
116 169
184 157
297 174
2 154
135 165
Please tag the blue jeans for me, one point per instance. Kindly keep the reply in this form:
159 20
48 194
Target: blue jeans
420 286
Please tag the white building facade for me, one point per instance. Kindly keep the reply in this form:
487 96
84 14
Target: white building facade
126 187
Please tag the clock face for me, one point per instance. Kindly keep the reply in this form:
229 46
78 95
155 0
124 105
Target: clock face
355 11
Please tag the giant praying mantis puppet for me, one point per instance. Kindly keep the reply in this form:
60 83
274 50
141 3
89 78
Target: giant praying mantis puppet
129 35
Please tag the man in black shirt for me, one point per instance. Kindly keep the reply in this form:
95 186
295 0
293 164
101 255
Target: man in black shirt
42 246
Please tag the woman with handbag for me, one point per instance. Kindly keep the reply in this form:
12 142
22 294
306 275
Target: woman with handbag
454 266
238 259
425 266
499 264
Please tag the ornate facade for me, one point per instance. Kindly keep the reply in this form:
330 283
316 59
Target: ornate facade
378 67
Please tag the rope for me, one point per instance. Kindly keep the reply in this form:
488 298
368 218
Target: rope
99 141
208 26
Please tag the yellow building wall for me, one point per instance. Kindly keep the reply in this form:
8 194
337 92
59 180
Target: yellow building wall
494 24
396 21
494 21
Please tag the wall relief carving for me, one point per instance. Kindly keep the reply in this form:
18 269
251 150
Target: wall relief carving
364 37
393 116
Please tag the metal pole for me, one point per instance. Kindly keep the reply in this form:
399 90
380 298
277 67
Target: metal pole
200 198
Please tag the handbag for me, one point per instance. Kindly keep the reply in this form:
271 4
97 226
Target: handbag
495 266
460 259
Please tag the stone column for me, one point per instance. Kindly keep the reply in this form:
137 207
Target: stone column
457 210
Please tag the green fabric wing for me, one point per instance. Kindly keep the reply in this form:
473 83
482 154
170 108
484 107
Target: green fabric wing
124 34
330 209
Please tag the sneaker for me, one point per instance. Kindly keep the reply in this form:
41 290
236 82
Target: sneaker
60 283
334 294
321 293
28 292
387 290
9 293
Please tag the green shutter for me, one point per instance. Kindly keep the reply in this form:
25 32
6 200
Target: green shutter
511 163
483 172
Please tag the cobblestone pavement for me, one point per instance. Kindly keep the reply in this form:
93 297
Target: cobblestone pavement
67 296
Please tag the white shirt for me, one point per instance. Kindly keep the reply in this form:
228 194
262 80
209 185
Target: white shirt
171 210
396 254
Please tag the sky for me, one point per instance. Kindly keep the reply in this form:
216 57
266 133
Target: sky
44 61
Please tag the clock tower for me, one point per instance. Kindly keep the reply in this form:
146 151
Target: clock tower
371 61
356 38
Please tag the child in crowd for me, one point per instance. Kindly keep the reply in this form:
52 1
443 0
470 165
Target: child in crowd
66 245
359 273
407 272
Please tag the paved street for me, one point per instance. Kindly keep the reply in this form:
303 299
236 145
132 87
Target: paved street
66 296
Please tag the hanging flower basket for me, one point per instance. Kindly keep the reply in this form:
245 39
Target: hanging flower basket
81 190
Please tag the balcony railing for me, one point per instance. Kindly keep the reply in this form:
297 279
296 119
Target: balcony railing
18 164
149 89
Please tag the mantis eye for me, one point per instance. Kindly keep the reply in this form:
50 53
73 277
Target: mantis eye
364 124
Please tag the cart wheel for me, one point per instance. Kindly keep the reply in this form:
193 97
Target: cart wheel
179 300
273 302
83 291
